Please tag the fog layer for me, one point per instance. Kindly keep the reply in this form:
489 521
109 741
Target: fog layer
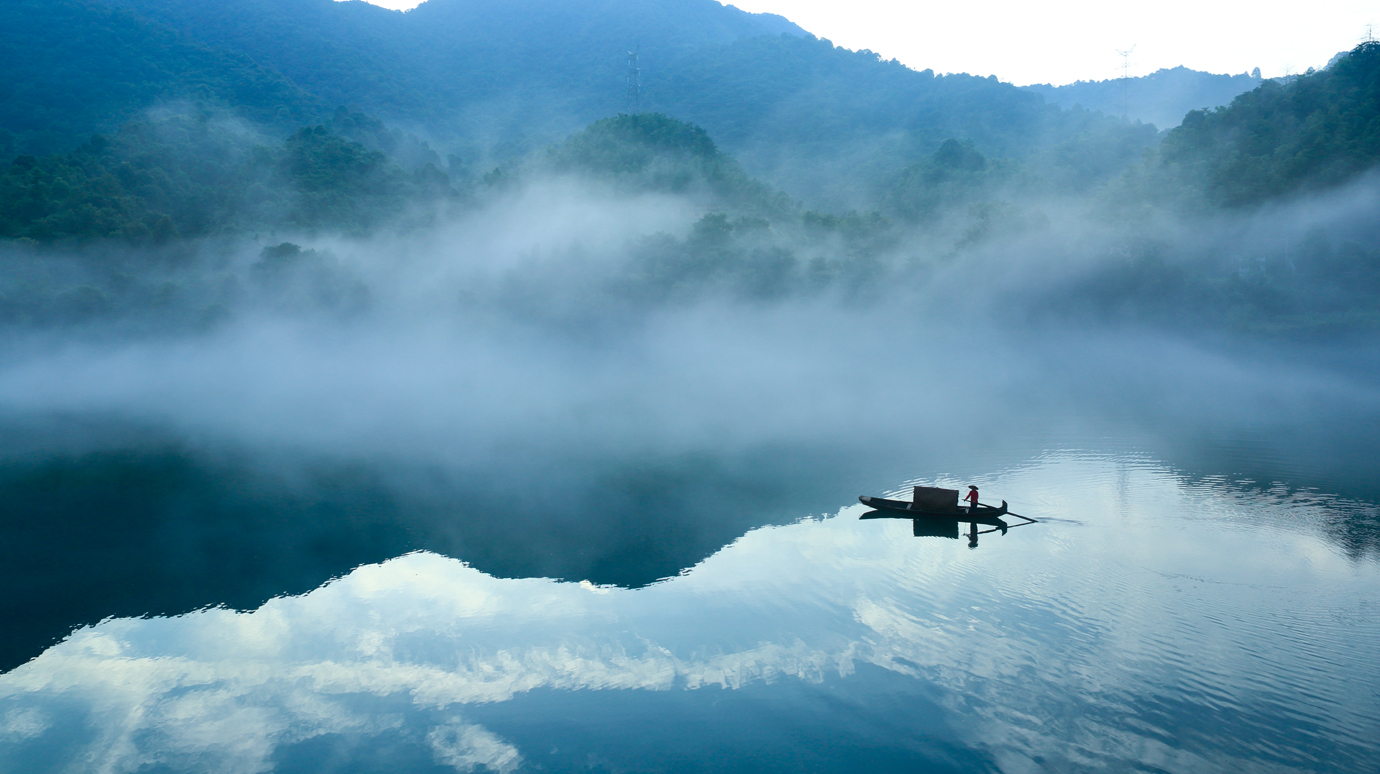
590 381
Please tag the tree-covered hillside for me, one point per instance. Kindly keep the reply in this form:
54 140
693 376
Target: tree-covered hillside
190 175
74 67
1309 132
489 81
791 117
653 152
533 66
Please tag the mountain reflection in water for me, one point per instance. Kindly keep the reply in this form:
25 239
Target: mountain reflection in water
1155 621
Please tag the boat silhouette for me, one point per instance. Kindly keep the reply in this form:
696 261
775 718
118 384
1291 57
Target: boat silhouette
935 512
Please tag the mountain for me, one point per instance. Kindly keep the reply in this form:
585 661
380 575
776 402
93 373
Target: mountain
529 65
488 81
1160 98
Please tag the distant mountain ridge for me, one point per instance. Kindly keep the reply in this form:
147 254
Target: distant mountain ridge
487 81
419 66
1161 98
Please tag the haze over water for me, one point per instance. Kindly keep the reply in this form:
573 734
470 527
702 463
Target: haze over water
636 546
373 399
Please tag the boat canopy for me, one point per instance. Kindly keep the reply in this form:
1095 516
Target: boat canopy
930 498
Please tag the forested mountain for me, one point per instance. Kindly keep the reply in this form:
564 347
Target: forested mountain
461 69
487 81
253 139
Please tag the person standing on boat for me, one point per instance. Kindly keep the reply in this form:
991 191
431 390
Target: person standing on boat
972 497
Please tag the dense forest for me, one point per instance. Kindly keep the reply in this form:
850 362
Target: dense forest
1309 132
74 68
182 175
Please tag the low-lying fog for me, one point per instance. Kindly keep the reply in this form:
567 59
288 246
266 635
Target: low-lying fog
531 324
534 388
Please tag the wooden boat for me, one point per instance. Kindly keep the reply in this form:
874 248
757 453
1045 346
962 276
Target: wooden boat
905 509
932 501
935 512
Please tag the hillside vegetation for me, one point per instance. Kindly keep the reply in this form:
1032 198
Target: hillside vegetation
802 168
76 67
489 82
184 175
1306 133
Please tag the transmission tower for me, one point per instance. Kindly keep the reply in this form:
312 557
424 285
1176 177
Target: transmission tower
1125 79
634 83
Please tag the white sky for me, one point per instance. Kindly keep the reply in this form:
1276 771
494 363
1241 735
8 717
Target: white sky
1067 40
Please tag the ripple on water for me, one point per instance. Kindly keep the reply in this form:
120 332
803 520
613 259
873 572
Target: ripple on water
1154 621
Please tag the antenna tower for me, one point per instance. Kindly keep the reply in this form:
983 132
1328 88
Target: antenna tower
1125 79
634 83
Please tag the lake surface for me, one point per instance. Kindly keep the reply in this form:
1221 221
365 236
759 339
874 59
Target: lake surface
1158 618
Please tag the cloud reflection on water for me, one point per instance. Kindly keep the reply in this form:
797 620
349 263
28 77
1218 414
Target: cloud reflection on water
1164 630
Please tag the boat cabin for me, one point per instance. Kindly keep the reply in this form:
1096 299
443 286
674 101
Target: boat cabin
934 499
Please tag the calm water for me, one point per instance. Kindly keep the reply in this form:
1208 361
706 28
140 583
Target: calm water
1156 620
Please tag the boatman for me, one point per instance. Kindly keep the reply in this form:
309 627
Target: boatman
972 497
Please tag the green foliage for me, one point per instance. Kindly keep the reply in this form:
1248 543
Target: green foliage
60 195
754 259
74 67
629 144
723 253
1310 132
955 174
339 181
405 149
195 175
653 152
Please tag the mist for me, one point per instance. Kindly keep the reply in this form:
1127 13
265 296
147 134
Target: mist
584 376
511 387
540 323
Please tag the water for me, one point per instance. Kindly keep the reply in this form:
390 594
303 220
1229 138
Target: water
1159 618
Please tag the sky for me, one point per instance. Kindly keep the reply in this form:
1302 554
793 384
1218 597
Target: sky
1069 40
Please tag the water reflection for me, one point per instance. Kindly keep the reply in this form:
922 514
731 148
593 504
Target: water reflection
155 528
1152 622
935 526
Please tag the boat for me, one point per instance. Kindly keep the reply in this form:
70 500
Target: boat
935 512
931 501
906 509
